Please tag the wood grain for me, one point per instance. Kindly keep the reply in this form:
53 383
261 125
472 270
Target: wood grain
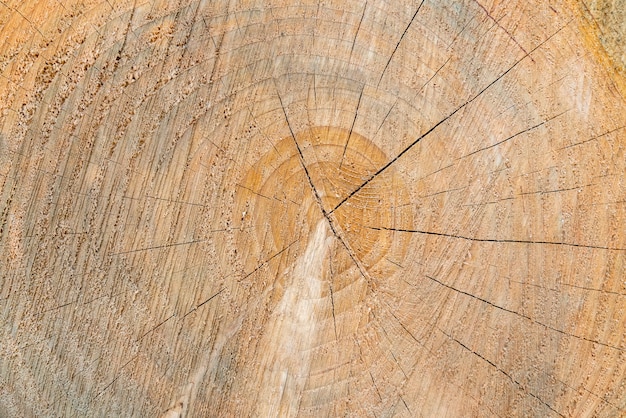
313 208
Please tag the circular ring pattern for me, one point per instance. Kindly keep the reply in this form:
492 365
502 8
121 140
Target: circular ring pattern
322 208
288 190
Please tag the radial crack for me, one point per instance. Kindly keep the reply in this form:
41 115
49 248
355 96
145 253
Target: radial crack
356 114
155 327
497 22
399 41
257 268
356 33
446 118
317 196
514 135
521 315
509 241
160 246
492 364
332 296
593 138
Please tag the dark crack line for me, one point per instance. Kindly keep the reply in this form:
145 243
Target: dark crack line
591 289
117 376
617 408
314 90
161 246
555 290
332 297
357 32
332 302
258 129
356 114
386 116
491 202
499 241
617 202
301 157
394 263
521 315
595 22
492 364
442 192
265 262
528 173
594 138
433 76
399 41
316 193
257 268
252 191
566 189
391 345
435 172
497 22
435 126
155 327
375 385
407 330
81 304
25 18
515 135
470 20
104 296
125 41
181 243
182 202
210 298
56 308
432 326
540 192
478 298
405 405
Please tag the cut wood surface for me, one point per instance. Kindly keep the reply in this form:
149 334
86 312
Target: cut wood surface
312 208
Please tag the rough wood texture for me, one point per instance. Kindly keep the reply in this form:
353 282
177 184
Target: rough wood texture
312 208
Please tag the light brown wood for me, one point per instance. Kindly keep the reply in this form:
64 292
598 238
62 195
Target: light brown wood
312 208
